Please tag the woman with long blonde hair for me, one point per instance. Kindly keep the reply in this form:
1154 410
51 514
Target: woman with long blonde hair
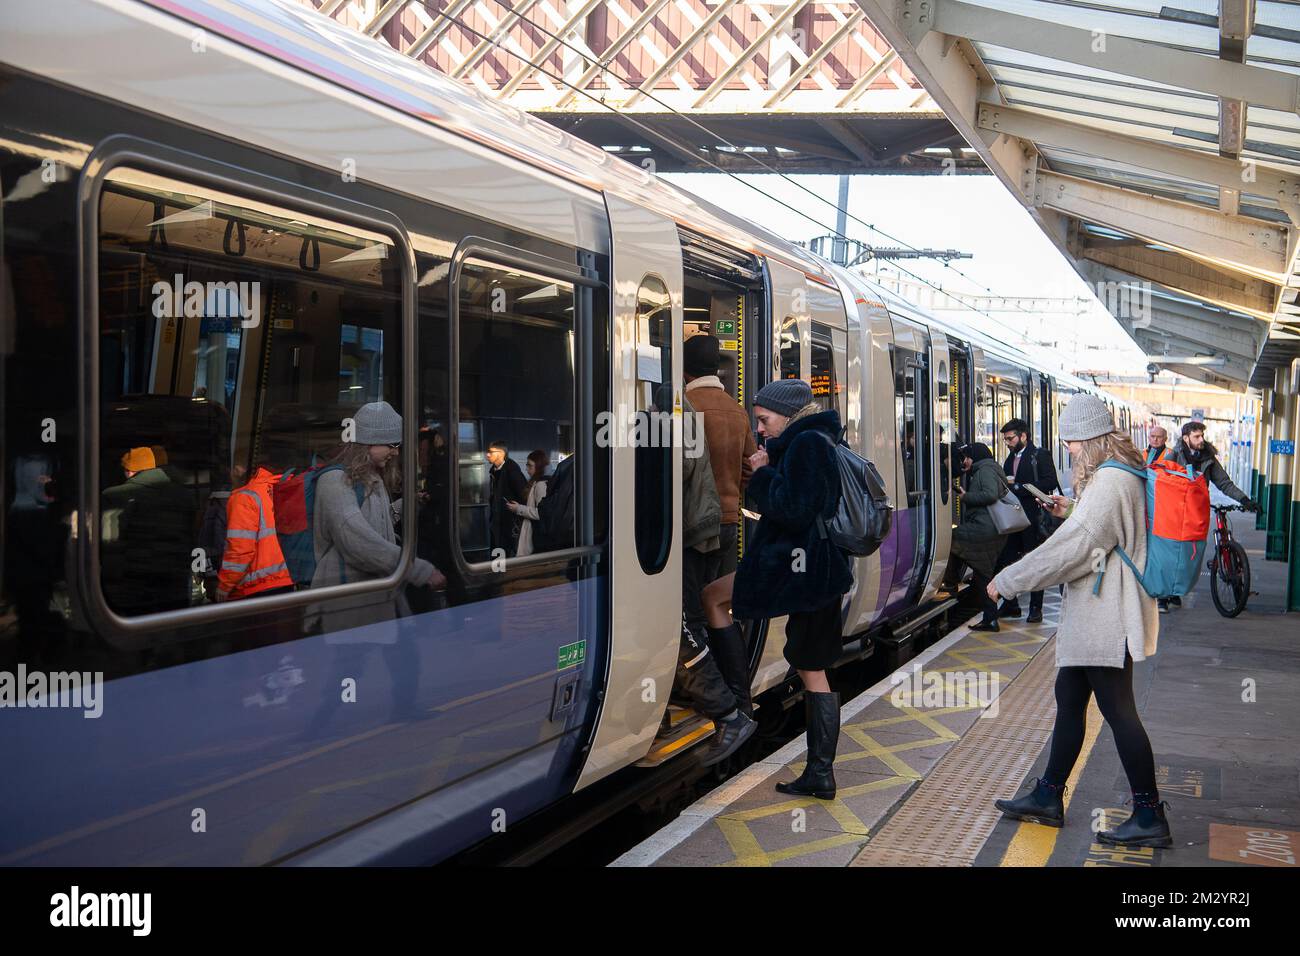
1107 621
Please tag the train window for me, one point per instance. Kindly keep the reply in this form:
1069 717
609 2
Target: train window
656 394
516 408
825 383
791 355
237 339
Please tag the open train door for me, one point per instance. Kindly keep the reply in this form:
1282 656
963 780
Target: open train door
645 570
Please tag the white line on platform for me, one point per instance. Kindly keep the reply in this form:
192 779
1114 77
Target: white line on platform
711 804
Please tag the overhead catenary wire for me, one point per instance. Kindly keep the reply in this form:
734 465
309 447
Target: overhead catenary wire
625 81
656 134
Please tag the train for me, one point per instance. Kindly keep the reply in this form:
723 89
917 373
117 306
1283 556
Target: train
227 224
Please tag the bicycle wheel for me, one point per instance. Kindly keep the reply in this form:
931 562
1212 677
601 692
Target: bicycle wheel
1230 586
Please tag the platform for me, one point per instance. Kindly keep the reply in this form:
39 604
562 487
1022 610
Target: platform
919 764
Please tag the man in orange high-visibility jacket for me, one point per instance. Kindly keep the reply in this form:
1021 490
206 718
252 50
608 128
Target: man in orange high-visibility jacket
252 562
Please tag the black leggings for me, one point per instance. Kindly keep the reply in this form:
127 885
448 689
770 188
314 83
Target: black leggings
1114 689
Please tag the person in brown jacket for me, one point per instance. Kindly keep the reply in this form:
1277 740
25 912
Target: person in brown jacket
730 443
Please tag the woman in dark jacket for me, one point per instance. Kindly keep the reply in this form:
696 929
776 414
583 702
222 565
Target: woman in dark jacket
791 566
976 541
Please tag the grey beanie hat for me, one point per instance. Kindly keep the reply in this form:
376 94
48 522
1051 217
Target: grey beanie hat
1085 416
377 424
785 396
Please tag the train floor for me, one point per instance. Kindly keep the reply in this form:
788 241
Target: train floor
921 760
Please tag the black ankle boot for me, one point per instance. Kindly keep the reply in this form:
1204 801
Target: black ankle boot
1146 826
987 625
728 647
818 777
1044 804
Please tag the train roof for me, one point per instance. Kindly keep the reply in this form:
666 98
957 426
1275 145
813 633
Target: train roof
309 41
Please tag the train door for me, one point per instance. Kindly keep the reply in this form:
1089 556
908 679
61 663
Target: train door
872 434
915 509
644 548
940 463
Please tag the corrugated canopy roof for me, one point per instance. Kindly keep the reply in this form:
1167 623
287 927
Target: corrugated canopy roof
1158 145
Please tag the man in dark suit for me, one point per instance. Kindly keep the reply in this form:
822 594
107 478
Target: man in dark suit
506 483
1026 464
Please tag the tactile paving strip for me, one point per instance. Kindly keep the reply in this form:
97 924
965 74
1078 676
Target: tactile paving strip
950 816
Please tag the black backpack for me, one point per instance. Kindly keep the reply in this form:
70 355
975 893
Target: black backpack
865 513
553 530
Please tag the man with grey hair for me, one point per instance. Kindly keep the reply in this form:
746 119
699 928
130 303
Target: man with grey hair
1157 447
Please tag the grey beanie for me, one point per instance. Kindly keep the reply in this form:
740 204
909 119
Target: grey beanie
377 424
1085 416
785 396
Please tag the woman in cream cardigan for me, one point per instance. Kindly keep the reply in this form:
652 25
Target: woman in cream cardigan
1107 621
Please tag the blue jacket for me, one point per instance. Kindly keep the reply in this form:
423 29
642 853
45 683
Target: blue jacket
801 482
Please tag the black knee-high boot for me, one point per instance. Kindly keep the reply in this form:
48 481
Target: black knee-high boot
818 777
728 646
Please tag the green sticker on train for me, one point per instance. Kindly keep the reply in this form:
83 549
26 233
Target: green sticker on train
572 655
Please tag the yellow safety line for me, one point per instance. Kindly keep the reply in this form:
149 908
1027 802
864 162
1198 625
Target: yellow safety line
1033 843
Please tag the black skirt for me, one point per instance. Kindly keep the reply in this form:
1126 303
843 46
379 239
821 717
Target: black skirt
812 638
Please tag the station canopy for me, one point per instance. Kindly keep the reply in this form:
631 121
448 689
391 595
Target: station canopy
1157 145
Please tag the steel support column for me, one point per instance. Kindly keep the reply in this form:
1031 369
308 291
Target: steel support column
1263 425
1280 469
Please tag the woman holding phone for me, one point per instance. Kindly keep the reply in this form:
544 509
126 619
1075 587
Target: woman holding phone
1108 621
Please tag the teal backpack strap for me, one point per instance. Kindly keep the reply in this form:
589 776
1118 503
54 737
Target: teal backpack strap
1151 455
1136 472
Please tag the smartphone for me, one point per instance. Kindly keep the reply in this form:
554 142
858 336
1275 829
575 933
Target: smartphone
751 515
1045 499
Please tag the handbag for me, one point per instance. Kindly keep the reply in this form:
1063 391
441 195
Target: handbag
1008 514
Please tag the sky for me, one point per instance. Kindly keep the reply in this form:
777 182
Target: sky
974 214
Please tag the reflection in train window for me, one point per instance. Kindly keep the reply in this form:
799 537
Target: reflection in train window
235 339
516 403
791 349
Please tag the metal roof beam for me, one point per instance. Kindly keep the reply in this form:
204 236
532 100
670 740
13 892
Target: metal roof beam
1114 54
1248 245
1251 178
850 139
1230 290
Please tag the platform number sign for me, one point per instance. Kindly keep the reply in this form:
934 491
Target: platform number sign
1281 446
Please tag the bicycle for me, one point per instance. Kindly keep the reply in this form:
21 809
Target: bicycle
1229 567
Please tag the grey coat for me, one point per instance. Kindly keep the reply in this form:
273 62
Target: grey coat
357 544
1096 629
